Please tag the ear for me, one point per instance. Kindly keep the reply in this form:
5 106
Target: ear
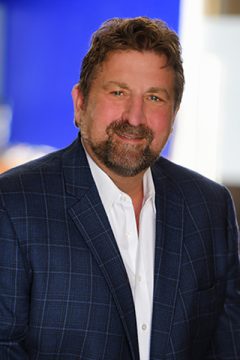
78 102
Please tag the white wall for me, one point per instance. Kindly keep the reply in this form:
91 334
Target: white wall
207 134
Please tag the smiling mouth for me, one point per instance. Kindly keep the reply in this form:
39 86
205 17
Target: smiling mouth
128 133
129 137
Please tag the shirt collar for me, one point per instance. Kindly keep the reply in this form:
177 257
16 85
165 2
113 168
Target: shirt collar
109 192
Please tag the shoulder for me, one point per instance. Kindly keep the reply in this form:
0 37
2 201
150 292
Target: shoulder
203 197
190 184
31 169
43 175
48 164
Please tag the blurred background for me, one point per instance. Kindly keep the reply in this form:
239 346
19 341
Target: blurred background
43 42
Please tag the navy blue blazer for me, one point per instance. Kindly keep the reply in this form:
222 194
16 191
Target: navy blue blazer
64 291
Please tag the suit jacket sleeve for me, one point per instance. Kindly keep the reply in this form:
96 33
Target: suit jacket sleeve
226 339
14 290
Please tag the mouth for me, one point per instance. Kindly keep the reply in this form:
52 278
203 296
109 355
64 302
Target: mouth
131 138
130 134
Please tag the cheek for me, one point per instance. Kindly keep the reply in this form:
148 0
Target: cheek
161 127
162 124
104 114
96 123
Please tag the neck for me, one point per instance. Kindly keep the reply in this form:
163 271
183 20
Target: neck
131 185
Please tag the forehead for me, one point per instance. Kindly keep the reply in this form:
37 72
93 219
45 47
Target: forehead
138 58
139 68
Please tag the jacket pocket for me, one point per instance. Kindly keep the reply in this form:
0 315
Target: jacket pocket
209 303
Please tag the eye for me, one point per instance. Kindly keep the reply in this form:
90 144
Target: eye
117 93
154 98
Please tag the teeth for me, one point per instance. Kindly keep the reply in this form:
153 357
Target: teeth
131 136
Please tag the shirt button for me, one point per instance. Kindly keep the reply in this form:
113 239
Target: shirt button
139 278
144 327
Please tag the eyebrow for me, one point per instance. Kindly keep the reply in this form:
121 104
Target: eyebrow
159 90
154 89
120 84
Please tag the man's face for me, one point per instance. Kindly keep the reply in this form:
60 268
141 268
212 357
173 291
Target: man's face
128 115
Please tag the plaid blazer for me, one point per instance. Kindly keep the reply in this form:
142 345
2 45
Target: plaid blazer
64 291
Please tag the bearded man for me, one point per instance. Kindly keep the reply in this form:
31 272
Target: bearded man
108 250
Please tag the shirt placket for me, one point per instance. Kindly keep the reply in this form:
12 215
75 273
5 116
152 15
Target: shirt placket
130 238
142 297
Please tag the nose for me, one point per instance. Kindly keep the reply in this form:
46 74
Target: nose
134 112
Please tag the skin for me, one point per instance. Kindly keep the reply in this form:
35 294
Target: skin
131 87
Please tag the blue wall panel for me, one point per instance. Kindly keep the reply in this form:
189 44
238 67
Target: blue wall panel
46 42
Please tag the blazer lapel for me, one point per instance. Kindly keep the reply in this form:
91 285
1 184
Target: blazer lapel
90 218
168 253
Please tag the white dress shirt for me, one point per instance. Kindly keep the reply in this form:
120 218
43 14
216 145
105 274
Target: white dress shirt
136 249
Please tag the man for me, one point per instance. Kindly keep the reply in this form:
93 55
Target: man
107 250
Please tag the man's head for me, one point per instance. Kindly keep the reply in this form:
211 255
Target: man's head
141 34
129 92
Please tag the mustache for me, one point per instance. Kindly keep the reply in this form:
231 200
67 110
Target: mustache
122 127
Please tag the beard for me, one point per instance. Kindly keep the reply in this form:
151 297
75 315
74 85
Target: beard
123 158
